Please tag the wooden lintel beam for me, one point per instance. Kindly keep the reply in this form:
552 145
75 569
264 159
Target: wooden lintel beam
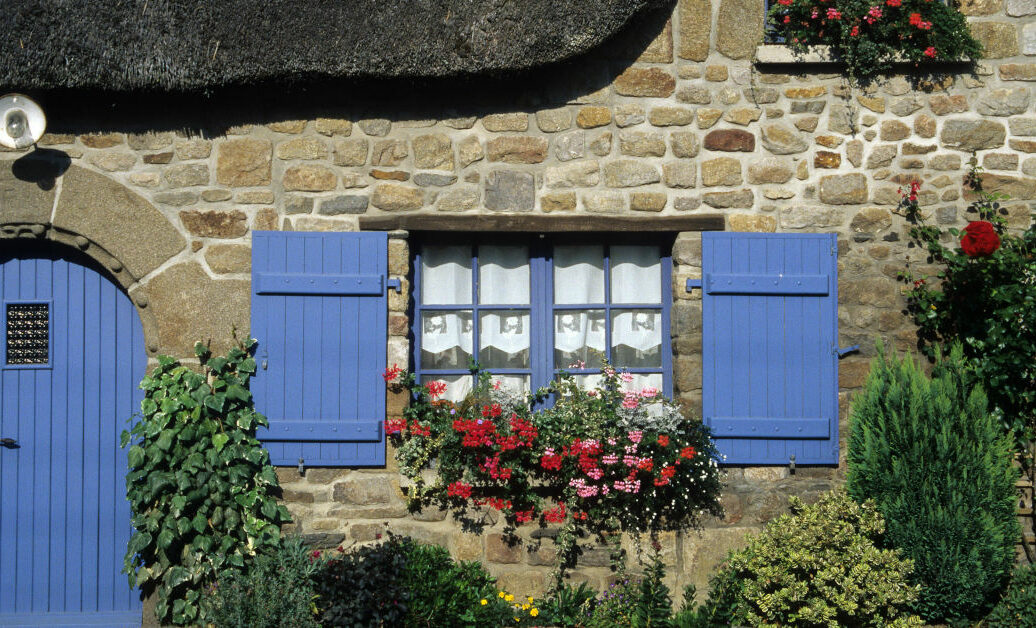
544 224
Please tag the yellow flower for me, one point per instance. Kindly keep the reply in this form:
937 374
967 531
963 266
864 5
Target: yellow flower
501 594
530 599
526 606
508 598
483 601
534 612
516 619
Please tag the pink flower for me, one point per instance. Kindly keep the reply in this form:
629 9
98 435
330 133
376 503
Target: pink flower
648 392
894 3
787 19
627 377
855 31
630 401
436 388
833 14
595 473
930 52
610 459
635 436
875 12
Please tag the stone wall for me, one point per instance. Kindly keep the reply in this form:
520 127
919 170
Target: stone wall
688 125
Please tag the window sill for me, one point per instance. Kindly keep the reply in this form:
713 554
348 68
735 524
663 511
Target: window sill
778 53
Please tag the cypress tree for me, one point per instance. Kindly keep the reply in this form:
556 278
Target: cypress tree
939 466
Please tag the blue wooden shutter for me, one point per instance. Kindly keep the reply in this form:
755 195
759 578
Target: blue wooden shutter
319 312
770 362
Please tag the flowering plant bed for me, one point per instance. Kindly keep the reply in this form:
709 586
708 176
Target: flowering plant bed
870 35
603 460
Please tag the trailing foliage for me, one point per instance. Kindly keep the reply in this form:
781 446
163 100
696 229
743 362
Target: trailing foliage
938 467
275 590
869 35
602 460
821 566
1017 609
984 300
199 482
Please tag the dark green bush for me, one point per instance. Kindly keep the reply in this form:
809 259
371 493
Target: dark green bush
821 566
938 466
717 611
276 590
568 606
447 593
365 587
1017 609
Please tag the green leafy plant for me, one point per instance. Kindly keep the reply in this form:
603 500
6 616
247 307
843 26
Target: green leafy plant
597 461
275 590
984 300
568 606
869 35
653 608
365 587
938 466
1017 609
821 565
718 608
199 484
613 607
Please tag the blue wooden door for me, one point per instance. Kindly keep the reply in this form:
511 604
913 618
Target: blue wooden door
320 312
71 356
769 334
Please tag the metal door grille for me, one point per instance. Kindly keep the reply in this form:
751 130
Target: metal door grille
28 333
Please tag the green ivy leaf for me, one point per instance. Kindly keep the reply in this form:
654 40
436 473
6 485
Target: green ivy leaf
135 456
219 441
165 538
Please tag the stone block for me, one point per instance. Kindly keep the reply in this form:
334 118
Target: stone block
1024 126
558 202
350 152
628 114
1023 146
694 95
647 82
694 21
158 158
844 189
972 135
827 159
741 199
629 173
113 161
739 28
592 116
24 201
1018 71
517 149
872 220
499 549
389 153
604 203
671 116
394 197
648 201
1018 8
730 140
742 116
1028 46
945 162
309 178
346 204
461 199
842 119
190 305
707 117
503 122
186 175
1000 161
999 39
752 222
302 148
554 120
578 174
1004 102
1018 188
433 151
375 127
570 146
361 490
685 143
894 130
799 217
641 143
333 127
906 105
102 140
229 258
679 174
721 171
510 190
215 224
602 144
781 139
244 162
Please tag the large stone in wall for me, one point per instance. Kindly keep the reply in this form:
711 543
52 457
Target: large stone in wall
510 190
798 217
392 197
189 307
730 140
781 139
971 135
770 170
721 171
580 174
121 222
648 82
22 199
843 189
739 28
216 223
999 39
980 7
1018 8
1018 188
244 162
1022 71
1004 102
517 149
695 22
628 173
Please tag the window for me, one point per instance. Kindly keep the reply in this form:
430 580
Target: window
525 310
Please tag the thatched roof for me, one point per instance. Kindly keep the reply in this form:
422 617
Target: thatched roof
201 45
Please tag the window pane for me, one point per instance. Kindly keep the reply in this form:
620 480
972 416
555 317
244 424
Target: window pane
445 340
503 275
457 386
576 334
637 338
645 380
589 381
446 275
636 274
513 383
578 274
503 339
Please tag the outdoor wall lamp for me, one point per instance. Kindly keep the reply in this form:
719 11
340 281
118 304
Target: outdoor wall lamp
21 121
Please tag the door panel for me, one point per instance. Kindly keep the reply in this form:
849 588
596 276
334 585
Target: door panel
64 518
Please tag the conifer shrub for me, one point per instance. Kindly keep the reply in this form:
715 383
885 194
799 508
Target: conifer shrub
1017 609
820 565
938 466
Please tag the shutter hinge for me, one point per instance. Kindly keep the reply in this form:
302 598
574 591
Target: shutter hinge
693 283
842 352
791 464
302 467
395 284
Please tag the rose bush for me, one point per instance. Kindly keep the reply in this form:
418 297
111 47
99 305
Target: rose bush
604 460
868 35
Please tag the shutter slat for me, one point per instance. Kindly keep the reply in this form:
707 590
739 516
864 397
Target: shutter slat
318 284
717 283
775 427
325 430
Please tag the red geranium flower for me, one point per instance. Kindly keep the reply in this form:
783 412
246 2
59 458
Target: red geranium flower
980 239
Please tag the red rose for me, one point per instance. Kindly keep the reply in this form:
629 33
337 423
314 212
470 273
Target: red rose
979 239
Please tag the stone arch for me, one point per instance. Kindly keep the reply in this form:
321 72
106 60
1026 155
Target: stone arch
95 215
